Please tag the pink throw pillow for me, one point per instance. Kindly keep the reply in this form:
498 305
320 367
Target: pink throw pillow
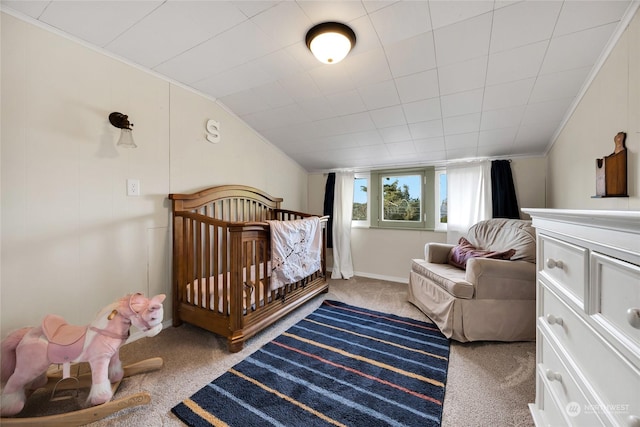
460 254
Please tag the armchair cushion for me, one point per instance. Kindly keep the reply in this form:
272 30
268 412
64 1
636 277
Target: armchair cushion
448 277
460 254
502 279
500 234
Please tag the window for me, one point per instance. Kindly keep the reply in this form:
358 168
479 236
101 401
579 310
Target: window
402 198
360 215
440 199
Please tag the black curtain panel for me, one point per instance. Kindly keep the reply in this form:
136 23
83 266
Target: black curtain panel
329 191
503 192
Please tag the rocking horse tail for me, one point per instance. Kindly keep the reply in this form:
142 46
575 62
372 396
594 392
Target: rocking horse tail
8 353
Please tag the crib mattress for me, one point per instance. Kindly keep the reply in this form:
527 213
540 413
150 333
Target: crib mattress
200 288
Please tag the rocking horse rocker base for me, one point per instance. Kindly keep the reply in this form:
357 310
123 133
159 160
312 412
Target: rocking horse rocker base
93 413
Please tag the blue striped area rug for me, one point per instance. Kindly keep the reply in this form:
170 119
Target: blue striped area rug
342 366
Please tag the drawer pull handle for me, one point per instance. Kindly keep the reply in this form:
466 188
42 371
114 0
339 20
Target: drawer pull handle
633 421
553 320
553 376
633 317
552 263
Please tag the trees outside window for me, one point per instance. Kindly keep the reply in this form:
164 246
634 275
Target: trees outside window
401 199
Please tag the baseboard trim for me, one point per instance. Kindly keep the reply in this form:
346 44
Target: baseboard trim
404 280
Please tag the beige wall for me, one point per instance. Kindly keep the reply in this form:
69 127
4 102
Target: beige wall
386 254
71 239
610 105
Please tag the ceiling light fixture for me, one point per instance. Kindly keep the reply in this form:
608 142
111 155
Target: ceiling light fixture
121 121
330 42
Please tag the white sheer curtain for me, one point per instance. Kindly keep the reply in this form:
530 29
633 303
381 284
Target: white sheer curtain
468 197
342 211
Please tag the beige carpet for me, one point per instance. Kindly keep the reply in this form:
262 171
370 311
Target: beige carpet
488 384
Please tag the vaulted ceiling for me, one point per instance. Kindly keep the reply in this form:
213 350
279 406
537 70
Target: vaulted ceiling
427 82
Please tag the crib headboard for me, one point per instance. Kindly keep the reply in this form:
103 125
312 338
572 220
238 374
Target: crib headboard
233 203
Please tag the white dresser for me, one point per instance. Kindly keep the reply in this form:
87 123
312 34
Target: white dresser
588 326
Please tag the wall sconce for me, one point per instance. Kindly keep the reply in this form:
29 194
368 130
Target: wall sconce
330 42
121 121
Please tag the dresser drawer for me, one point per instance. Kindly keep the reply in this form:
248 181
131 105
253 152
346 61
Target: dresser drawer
563 389
615 287
566 266
612 378
549 411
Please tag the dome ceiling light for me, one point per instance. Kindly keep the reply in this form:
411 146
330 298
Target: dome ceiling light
330 42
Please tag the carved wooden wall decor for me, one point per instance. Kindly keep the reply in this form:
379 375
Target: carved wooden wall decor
611 171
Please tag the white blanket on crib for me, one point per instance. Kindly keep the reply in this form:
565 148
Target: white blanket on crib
296 250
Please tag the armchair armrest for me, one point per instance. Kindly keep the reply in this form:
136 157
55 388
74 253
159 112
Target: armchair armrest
437 252
502 279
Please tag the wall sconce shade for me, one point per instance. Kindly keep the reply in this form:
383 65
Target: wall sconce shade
121 121
330 42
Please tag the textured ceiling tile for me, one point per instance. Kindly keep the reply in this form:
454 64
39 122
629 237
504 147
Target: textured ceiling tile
284 23
237 46
462 41
463 76
395 134
368 68
413 16
462 103
346 103
326 10
576 50
508 94
32 8
174 28
411 55
379 95
516 64
418 86
96 22
446 12
427 129
559 85
578 16
461 124
358 122
497 137
419 111
524 23
502 118
465 145
386 117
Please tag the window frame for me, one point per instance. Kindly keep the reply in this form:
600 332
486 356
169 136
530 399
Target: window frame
367 222
437 225
427 220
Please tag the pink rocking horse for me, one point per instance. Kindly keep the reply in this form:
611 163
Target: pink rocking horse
28 352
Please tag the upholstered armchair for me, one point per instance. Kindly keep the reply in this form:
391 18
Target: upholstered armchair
484 288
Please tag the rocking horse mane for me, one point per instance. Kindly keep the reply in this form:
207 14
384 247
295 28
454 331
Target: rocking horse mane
102 318
123 306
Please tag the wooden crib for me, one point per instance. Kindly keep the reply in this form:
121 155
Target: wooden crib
221 262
